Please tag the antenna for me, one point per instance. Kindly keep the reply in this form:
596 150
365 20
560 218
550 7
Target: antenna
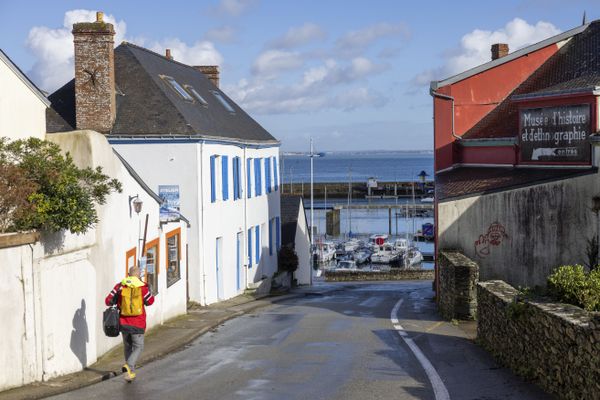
584 19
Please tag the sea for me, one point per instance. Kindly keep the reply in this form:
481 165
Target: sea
386 166
358 167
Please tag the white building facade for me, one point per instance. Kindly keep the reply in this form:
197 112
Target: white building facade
230 193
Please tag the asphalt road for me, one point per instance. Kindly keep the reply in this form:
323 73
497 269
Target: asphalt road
357 341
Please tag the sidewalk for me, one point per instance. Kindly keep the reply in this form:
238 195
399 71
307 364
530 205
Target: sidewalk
159 342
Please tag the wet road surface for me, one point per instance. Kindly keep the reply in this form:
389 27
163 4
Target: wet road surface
355 341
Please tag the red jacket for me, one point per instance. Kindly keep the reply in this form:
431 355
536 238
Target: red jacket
133 324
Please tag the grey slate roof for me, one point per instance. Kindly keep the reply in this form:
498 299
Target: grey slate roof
147 105
290 206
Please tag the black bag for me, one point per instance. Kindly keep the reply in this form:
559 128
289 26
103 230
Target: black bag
110 319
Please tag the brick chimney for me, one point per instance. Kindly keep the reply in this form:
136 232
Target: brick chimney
168 54
211 72
95 104
499 50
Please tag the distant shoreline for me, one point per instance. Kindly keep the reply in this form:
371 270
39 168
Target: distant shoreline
360 152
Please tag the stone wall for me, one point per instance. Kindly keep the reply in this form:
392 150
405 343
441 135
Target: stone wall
457 297
392 275
558 345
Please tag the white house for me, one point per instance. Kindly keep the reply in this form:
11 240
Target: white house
296 235
182 134
22 104
56 284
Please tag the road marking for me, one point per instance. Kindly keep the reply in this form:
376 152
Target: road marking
371 302
439 389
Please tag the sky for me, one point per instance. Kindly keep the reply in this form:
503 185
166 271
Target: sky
353 75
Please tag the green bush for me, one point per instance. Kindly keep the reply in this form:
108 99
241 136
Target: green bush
571 284
63 196
288 259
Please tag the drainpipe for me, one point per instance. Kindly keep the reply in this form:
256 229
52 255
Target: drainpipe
433 93
244 177
203 241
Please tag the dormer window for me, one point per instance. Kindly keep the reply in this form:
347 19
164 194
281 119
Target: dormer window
178 88
224 102
197 95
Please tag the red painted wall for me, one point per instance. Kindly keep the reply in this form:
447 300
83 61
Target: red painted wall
475 97
488 155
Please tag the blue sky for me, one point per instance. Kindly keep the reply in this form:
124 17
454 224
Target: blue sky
351 74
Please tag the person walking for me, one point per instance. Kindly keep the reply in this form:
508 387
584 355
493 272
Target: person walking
132 296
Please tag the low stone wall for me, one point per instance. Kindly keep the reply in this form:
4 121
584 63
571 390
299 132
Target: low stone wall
392 275
457 298
556 344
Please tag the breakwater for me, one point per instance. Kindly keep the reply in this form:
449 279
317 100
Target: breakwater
359 190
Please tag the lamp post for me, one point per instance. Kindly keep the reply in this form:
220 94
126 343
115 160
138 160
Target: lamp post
312 155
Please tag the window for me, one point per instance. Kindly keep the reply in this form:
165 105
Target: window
277 233
173 256
268 175
250 248
216 189
130 260
275 173
224 102
271 222
178 88
237 189
197 95
258 176
249 177
152 260
257 242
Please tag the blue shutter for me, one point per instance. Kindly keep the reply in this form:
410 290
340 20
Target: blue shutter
277 233
268 174
236 178
225 175
275 173
270 237
249 177
213 190
258 176
257 239
250 248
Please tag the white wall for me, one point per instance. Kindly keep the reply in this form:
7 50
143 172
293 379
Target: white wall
58 285
302 247
22 112
188 165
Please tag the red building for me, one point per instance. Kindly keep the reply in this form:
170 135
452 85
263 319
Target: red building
515 162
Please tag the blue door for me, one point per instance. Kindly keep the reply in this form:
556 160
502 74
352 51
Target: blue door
239 261
219 266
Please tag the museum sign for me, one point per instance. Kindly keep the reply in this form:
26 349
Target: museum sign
555 134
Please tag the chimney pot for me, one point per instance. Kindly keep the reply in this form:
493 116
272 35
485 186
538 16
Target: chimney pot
211 72
499 50
168 54
99 16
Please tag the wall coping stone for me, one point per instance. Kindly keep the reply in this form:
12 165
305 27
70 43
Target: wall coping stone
14 239
456 258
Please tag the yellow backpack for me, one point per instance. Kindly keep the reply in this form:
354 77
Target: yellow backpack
131 301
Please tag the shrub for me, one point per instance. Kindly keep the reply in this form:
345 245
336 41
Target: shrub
15 189
288 259
65 195
571 284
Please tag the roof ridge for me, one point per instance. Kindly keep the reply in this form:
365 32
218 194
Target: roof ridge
126 43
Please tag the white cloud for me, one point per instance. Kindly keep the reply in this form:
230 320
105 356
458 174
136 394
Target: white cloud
475 47
199 53
271 62
319 88
53 48
234 8
222 34
298 36
356 42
